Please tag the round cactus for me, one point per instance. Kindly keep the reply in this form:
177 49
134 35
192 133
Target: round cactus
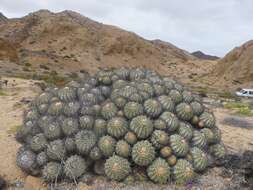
100 127
159 124
52 130
199 139
71 108
185 130
142 126
143 153
218 151
207 120
130 138
52 171
70 126
56 150
117 127
176 96
120 102
210 138
38 142
197 108
172 160
117 168
74 167
109 110
184 111
159 171
199 159
95 153
85 141
56 108
172 122
86 122
187 96
43 98
133 109
152 107
179 145
107 145
159 139
166 151
42 159
67 94
123 149
183 172
167 103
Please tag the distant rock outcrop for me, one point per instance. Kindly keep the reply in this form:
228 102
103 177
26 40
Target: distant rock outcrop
201 55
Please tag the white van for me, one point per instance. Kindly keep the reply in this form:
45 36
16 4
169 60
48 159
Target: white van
245 93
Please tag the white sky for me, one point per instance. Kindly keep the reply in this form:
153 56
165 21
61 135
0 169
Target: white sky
212 26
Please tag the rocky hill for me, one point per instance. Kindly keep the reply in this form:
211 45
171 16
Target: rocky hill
236 68
68 42
201 55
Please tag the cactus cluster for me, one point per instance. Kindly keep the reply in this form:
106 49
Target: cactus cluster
130 124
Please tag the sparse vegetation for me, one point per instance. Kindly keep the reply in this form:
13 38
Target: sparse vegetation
243 109
44 67
3 93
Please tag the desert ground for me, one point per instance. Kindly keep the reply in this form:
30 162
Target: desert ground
237 134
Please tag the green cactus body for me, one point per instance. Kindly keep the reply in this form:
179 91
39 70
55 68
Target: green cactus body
136 74
197 108
70 144
31 115
109 110
95 153
171 121
176 96
183 172
127 91
56 108
86 122
117 127
43 98
167 103
207 119
136 98
38 142
179 145
85 141
120 102
152 107
130 138
159 171
74 167
52 130
159 124
166 151
209 135
67 94
117 168
187 96
143 153
217 134
199 159
71 108
172 160
185 130
123 149
184 111
123 73
42 108
133 109
142 126
218 151
100 127
159 89
199 139
119 83
42 159
56 150
107 145
159 139
52 171
70 126
146 87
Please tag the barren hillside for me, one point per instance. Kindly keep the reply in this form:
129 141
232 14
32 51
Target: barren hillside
68 42
236 68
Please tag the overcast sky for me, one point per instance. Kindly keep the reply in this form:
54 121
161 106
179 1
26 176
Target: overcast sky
212 26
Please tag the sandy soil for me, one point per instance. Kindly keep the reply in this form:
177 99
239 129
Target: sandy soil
237 136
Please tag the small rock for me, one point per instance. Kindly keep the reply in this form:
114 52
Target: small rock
83 186
32 183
